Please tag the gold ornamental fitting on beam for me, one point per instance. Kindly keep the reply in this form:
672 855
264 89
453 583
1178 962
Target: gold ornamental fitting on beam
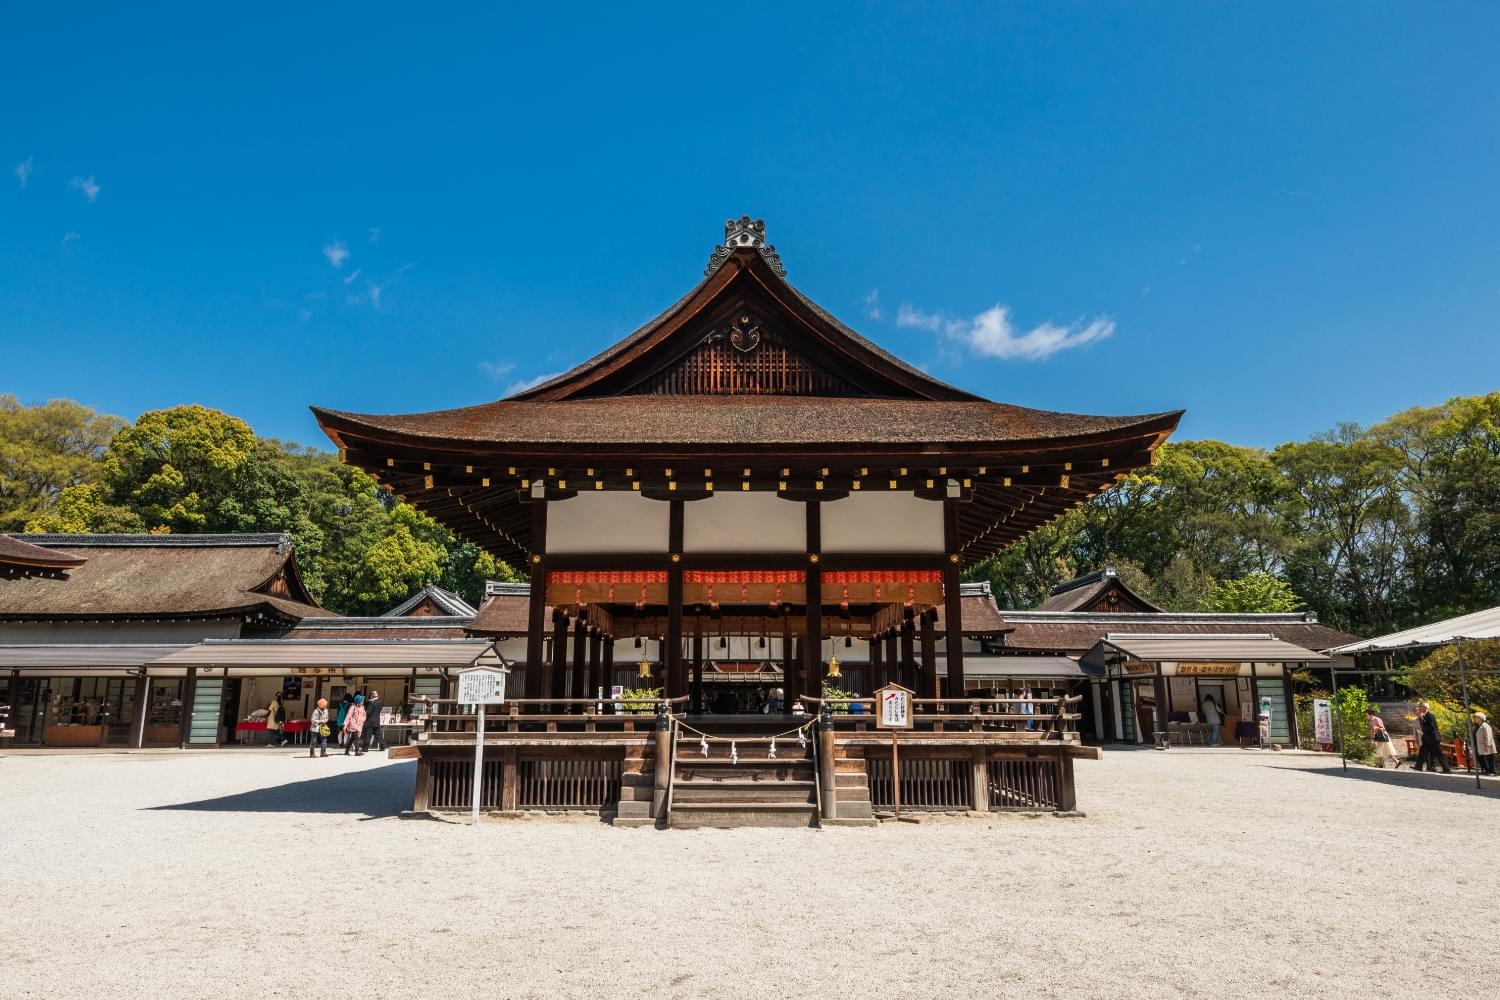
834 670
643 669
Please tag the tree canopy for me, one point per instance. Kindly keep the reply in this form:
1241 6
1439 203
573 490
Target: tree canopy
191 468
1373 528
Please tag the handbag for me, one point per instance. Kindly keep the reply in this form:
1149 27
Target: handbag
324 731
1382 736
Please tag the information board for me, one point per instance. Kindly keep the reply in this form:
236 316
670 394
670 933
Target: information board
1322 720
893 707
481 686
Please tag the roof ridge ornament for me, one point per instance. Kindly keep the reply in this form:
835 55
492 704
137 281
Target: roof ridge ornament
740 234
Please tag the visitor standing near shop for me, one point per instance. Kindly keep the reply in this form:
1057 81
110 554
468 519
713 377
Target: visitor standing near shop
1484 743
1430 753
275 716
354 724
1214 716
1385 748
318 735
373 734
345 703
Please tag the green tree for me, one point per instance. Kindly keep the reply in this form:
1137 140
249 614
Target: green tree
1256 592
85 508
44 450
1436 678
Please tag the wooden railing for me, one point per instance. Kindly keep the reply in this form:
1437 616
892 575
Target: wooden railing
441 717
1043 718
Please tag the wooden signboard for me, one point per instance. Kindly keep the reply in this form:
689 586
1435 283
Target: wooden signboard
893 708
1208 669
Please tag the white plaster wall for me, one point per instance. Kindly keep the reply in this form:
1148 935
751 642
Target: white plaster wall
885 522
744 522
607 522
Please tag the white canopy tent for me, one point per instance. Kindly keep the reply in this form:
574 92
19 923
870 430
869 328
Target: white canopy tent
1474 626
1478 625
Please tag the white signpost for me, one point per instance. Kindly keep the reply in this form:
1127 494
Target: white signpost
1323 721
893 712
480 686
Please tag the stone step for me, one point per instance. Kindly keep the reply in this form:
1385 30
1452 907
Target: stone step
743 792
708 770
730 815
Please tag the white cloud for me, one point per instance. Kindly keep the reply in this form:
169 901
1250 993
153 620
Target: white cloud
87 185
70 236
23 171
992 334
530 383
350 280
374 234
336 253
497 369
872 304
910 316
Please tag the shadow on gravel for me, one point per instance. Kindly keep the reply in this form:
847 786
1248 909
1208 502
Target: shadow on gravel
1456 782
384 791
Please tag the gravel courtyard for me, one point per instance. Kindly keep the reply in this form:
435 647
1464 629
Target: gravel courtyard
1195 873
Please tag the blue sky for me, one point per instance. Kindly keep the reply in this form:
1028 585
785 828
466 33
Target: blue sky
1278 216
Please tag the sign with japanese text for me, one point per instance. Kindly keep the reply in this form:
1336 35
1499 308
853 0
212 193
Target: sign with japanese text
1323 720
481 686
893 708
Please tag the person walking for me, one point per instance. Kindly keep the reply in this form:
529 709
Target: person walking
1484 743
1385 749
318 731
1430 752
1214 716
275 716
373 734
354 724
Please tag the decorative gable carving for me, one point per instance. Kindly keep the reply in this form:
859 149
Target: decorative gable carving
743 356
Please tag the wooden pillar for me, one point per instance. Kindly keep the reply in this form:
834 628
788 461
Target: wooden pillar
953 603
675 679
978 760
536 619
877 665
607 667
697 693
791 658
580 651
1163 704
189 688
137 717
596 640
557 672
930 687
1291 708
892 656
908 653
812 647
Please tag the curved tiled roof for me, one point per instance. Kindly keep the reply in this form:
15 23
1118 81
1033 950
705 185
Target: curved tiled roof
166 576
20 559
759 421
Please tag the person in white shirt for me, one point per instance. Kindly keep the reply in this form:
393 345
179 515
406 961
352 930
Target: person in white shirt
1214 716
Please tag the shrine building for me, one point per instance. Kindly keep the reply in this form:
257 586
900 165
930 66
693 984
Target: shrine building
745 472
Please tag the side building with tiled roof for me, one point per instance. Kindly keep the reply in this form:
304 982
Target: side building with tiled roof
1139 699
74 650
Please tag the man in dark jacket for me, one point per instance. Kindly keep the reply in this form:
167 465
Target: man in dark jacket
373 734
1430 752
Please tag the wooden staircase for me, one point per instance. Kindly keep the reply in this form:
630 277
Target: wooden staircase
756 790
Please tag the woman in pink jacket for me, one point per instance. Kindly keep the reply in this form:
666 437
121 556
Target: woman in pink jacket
354 724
